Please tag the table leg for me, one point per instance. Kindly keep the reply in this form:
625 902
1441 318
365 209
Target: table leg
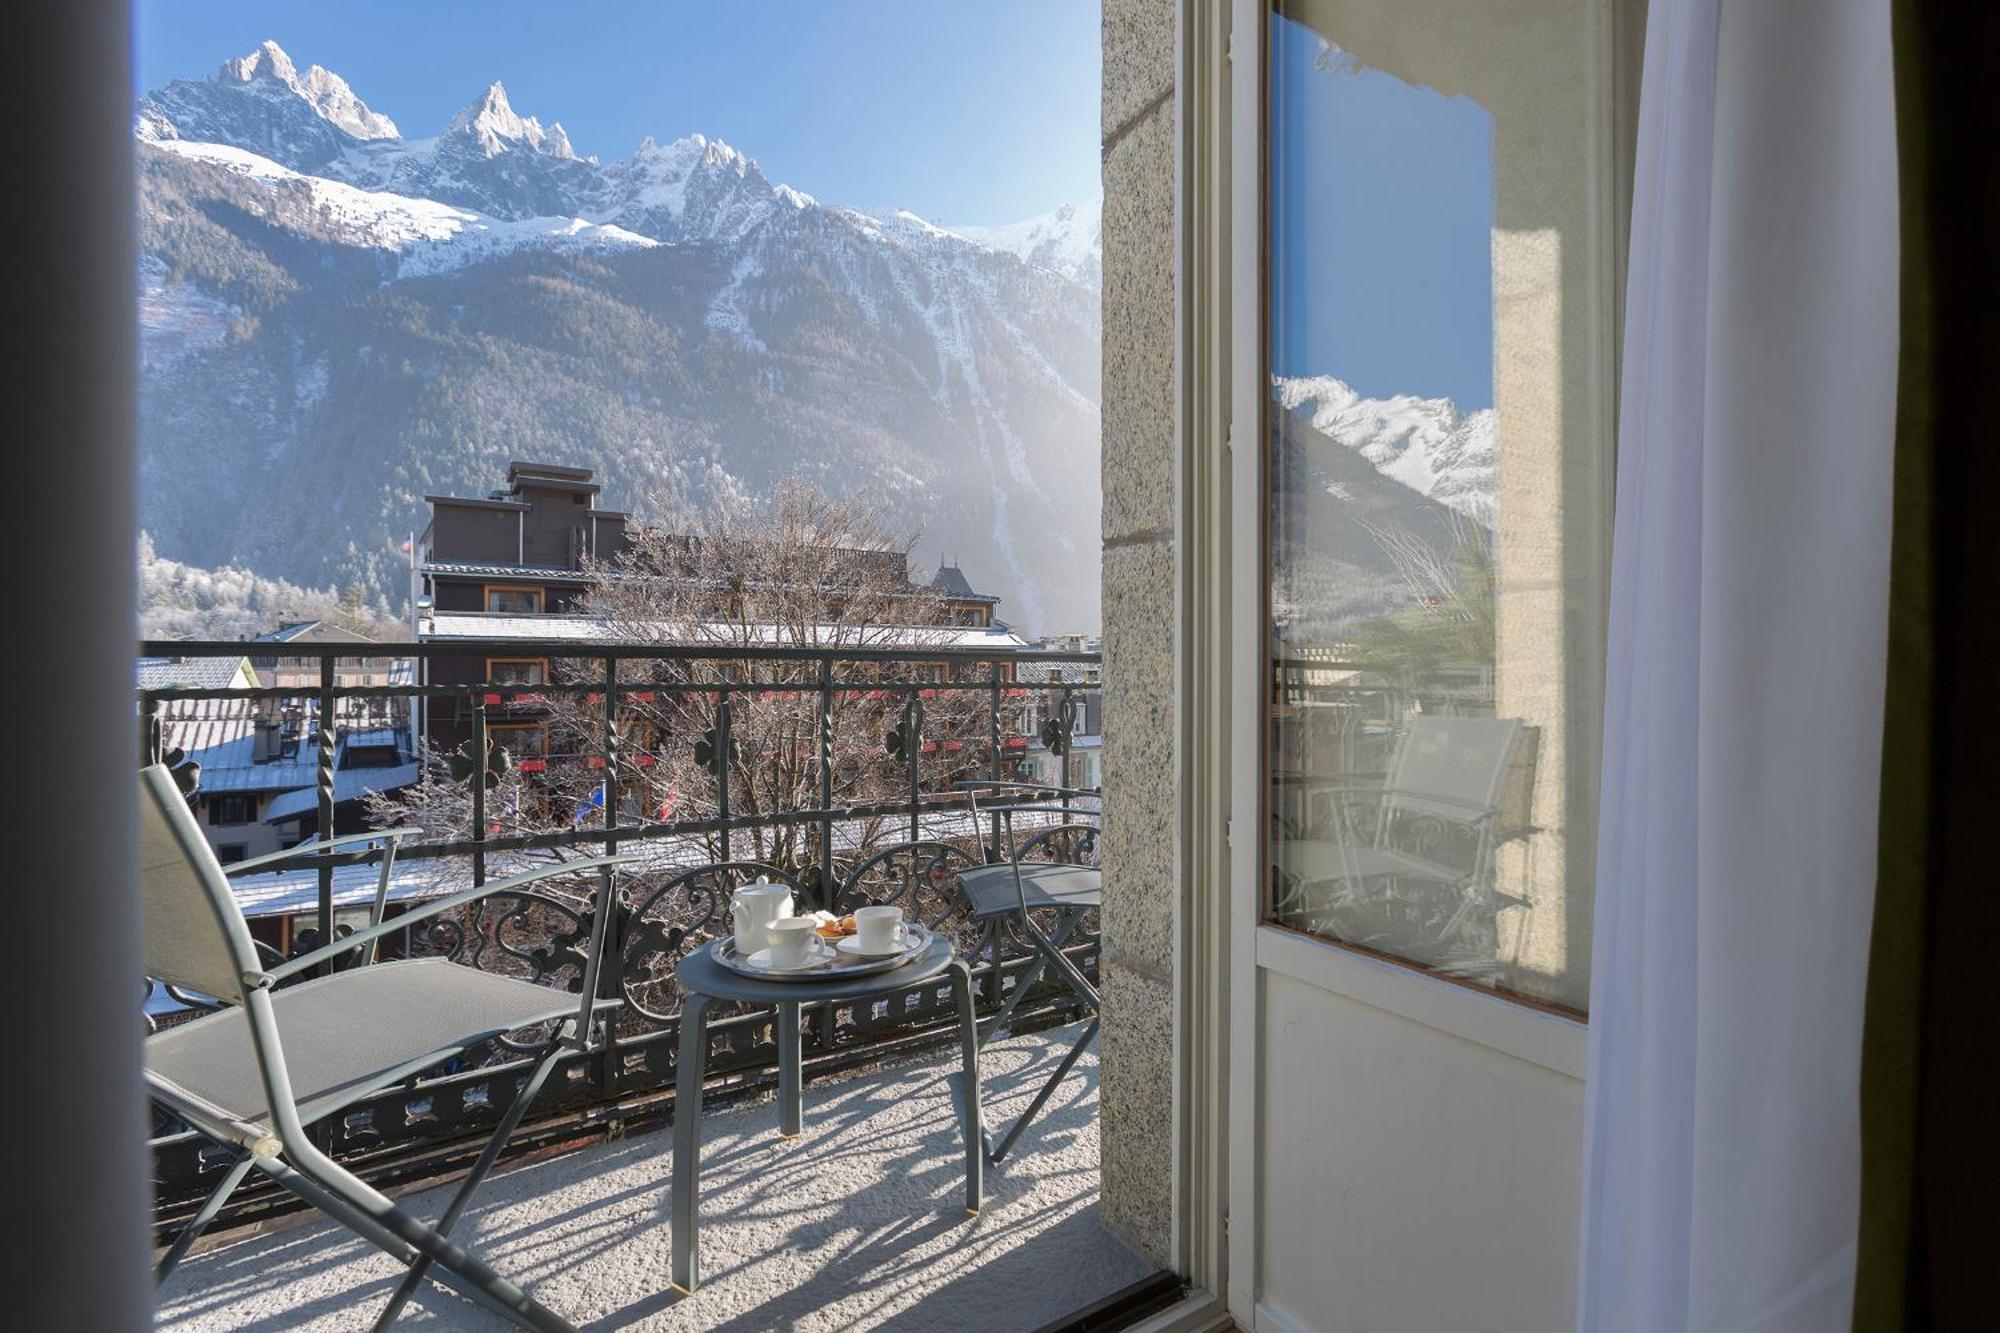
791 1113
968 1034
687 1140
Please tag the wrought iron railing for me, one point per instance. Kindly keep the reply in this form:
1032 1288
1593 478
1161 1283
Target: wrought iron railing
861 842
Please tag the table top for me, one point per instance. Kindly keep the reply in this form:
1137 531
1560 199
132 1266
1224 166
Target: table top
700 974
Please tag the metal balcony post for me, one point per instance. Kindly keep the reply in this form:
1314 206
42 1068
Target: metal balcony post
609 971
826 782
993 741
479 775
722 768
325 775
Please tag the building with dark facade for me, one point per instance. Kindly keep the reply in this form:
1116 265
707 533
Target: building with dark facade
512 566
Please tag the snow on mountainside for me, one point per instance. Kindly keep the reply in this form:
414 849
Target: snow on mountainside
332 310
431 236
1426 444
1070 241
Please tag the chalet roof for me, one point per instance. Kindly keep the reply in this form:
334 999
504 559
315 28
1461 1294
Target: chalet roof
518 468
349 784
474 569
951 581
192 673
312 631
1055 673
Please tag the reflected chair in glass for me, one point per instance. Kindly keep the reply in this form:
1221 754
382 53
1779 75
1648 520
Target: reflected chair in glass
274 1060
1010 892
1408 866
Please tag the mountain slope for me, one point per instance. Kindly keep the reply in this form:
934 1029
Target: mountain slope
338 320
1427 444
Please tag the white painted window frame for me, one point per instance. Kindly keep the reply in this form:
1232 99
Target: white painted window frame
1220 431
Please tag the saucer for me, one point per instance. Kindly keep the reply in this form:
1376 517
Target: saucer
851 946
816 954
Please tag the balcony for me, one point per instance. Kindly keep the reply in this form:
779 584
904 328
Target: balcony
851 1224
855 1224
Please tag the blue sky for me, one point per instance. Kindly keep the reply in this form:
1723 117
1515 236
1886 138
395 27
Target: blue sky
1382 220
962 112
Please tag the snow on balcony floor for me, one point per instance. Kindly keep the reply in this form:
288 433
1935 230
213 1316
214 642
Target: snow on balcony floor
857 1223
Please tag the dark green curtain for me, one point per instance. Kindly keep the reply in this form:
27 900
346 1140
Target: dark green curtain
1930 1108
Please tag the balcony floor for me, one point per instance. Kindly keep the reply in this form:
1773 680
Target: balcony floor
857 1223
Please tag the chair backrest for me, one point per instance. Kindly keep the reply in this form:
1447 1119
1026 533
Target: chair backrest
194 933
1452 767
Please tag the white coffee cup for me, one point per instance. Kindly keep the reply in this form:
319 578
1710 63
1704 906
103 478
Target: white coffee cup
877 929
791 938
753 908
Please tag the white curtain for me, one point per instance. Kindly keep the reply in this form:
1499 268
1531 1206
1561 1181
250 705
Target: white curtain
1743 717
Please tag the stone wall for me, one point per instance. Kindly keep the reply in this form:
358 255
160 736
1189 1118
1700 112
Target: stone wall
1137 1042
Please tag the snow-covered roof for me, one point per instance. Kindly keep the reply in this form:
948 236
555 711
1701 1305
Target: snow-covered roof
477 569
227 754
593 629
349 784
195 673
312 631
1056 673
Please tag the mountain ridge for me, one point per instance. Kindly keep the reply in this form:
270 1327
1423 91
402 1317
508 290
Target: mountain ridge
364 319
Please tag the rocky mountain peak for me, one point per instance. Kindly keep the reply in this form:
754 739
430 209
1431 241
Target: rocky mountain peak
268 61
492 127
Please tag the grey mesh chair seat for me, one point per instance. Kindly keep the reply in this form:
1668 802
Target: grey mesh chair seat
349 1033
990 891
1314 859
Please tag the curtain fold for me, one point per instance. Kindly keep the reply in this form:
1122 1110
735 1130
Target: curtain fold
1745 673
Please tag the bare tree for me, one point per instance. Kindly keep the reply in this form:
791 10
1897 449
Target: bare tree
804 571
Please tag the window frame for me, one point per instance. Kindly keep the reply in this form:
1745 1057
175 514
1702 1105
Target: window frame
233 800
540 663
495 730
541 596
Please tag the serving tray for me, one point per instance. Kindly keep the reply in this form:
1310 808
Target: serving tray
829 964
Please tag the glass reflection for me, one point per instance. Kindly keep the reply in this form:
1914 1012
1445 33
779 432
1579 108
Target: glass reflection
1416 679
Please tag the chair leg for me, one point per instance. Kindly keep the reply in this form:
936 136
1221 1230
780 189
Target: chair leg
488 1156
687 1141
971 1120
1006 1144
791 1093
342 1196
1029 978
200 1222
1060 961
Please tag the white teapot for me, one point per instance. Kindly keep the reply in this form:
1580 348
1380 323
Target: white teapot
752 908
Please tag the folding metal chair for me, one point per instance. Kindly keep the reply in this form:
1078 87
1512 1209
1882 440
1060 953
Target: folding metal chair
273 1061
1009 891
1447 786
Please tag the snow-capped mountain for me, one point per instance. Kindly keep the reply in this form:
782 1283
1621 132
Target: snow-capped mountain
261 102
1069 240
339 319
1426 444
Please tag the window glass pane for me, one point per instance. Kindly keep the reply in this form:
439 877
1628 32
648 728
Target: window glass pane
522 742
514 601
524 672
1441 358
